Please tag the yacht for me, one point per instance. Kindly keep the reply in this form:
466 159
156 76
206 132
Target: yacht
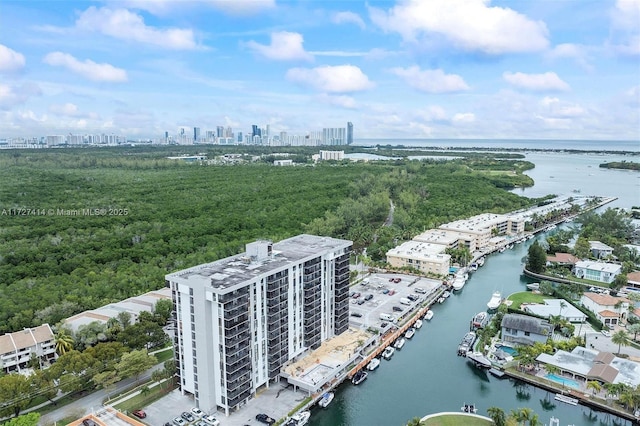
533 286
467 343
410 332
428 315
373 364
459 282
399 343
478 359
299 419
388 352
480 320
359 377
326 399
496 298
417 324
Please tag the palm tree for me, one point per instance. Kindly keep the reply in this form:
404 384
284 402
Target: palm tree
64 341
620 338
497 415
145 390
595 386
524 415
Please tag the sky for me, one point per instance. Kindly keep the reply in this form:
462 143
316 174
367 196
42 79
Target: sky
438 69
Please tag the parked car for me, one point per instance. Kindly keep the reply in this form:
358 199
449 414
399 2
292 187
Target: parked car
356 314
89 422
211 420
391 293
197 412
420 290
368 297
187 416
139 414
412 297
397 309
263 418
606 333
360 301
355 295
179 421
385 291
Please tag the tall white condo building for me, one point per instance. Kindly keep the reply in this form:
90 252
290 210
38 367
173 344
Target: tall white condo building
240 319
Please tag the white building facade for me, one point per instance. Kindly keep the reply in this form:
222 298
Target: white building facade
240 319
16 349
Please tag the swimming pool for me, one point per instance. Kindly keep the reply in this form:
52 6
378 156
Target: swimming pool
563 381
508 349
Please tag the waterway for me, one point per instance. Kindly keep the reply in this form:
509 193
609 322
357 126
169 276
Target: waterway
426 376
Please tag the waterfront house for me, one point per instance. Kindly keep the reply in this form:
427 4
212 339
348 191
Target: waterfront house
584 365
16 349
600 250
608 309
562 259
524 330
633 279
555 307
597 271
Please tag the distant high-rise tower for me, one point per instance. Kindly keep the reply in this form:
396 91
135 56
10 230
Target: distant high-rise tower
196 134
220 131
349 133
255 130
240 137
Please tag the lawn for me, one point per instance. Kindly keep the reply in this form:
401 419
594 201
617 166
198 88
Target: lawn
456 420
141 401
526 297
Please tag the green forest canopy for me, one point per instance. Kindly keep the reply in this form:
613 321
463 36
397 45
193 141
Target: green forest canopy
180 215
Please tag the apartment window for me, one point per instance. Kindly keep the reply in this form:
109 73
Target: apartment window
526 333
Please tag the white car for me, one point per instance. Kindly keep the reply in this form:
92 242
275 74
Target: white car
211 420
606 333
197 412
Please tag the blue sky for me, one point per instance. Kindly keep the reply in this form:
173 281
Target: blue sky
538 69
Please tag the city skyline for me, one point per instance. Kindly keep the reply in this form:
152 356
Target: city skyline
484 69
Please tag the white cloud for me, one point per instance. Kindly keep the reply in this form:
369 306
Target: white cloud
348 18
555 108
284 46
625 34
231 7
10 60
465 117
467 24
11 96
339 100
431 81
332 79
432 113
125 25
546 82
88 69
571 51
70 110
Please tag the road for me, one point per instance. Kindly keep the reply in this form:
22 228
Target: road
93 401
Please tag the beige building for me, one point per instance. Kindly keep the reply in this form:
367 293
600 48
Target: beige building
480 228
16 348
449 239
428 258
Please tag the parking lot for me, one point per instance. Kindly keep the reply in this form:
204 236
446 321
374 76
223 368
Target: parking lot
388 294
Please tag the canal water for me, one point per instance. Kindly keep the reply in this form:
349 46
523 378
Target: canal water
427 376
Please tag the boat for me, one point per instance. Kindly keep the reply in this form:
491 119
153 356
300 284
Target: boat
446 294
480 320
566 399
417 324
441 300
469 408
410 332
467 343
373 364
496 298
480 261
473 267
501 249
326 399
299 419
479 360
399 343
359 377
533 286
388 352
458 283
428 315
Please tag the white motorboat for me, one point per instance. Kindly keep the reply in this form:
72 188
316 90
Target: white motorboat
459 282
533 286
417 324
373 364
466 344
326 399
388 352
446 294
410 332
480 261
469 408
399 343
441 300
359 377
496 299
480 320
566 399
428 315
479 360
299 419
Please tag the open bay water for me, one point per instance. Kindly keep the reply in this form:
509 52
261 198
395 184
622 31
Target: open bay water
526 144
427 376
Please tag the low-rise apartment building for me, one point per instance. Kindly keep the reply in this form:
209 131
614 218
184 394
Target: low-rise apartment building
17 348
